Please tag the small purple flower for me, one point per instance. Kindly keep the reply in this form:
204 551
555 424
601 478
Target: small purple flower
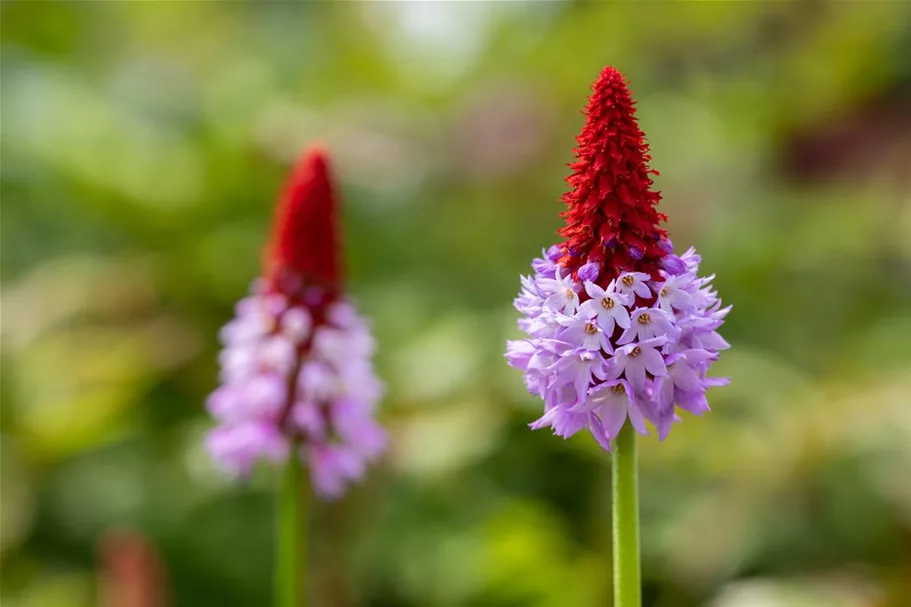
634 283
576 368
296 325
277 353
702 294
612 402
635 360
519 353
544 266
235 448
343 314
588 272
646 323
607 305
317 381
562 293
562 420
265 395
672 293
353 420
554 253
529 300
307 416
583 333
691 259
332 467
673 265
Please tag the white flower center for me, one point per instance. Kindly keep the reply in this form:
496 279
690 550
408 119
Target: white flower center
664 292
569 293
618 389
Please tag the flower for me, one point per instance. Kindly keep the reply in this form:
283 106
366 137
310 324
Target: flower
617 326
612 402
562 293
583 333
634 283
588 272
673 293
544 266
296 373
646 323
607 305
576 368
637 361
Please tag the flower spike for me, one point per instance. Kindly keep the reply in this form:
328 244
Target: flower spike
617 326
296 366
305 241
611 219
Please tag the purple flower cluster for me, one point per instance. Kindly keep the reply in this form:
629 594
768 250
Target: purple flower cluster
293 371
635 348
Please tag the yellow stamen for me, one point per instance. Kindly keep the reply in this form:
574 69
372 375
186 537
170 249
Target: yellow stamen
644 319
618 389
590 328
607 303
628 280
635 352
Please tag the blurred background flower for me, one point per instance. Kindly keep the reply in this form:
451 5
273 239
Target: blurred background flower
142 147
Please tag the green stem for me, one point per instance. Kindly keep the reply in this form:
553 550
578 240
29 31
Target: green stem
625 495
291 536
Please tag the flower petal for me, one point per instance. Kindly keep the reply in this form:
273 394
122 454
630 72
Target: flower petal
613 414
635 374
653 362
621 315
636 419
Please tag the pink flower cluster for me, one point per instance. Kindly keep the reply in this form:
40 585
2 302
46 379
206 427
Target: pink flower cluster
293 372
634 348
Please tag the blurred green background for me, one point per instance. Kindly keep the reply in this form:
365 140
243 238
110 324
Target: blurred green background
143 145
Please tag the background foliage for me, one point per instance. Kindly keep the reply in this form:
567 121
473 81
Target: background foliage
143 145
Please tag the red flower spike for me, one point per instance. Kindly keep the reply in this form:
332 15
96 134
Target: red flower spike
304 251
611 217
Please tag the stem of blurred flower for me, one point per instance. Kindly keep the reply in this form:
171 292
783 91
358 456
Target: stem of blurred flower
625 494
291 535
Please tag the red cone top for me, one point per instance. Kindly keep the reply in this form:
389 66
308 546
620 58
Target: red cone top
611 217
304 251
